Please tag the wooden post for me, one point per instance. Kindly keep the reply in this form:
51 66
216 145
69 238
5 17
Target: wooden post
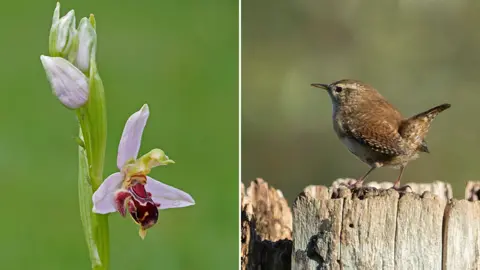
376 228
418 237
462 235
266 228
367 228
314 212
382 230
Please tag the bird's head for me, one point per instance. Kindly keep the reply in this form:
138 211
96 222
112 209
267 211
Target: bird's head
347 91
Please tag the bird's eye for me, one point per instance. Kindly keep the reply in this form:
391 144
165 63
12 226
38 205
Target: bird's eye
338 89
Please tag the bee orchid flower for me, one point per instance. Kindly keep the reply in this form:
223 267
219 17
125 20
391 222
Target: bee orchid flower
131 190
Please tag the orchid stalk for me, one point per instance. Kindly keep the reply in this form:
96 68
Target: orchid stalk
72 71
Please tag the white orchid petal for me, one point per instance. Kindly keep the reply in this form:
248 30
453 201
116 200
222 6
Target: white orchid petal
68 83
167 196
104 197
56 14
132 136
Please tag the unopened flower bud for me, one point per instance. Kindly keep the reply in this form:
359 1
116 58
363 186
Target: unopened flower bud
62 33
68 83
87 39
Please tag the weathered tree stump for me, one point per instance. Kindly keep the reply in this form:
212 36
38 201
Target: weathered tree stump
418 237
472 191
373 228
462 235
441 189
266 228
324 217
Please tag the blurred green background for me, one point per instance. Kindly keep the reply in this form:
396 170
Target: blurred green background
179 57
418 54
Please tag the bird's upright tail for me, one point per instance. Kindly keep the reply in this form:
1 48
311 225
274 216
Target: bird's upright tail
430 114
415 129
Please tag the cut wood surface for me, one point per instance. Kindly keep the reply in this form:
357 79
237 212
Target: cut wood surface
372 227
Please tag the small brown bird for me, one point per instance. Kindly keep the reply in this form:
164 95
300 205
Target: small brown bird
373 130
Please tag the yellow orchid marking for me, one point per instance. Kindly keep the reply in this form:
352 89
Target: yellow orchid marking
145 163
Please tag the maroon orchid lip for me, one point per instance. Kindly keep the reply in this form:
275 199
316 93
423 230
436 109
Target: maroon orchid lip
145 215
140 205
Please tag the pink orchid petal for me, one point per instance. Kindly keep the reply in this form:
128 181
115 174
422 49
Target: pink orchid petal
167 196
132 136
104 198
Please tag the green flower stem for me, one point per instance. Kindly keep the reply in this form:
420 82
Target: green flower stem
95 226
96 120
93 132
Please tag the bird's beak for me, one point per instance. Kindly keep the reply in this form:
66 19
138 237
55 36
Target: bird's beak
321 85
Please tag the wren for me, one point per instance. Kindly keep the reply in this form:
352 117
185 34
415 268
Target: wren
373 130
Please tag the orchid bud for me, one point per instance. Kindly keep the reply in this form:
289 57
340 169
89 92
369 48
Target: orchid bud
87 41
68 83
62 33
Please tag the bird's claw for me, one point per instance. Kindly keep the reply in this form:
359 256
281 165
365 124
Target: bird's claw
402 189
353 184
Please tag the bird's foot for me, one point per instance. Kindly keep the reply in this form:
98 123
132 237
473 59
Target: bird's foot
402 189
353 184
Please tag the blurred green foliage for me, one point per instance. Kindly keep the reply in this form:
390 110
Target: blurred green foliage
179 57
418 54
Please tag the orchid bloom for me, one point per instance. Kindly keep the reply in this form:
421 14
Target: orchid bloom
131 189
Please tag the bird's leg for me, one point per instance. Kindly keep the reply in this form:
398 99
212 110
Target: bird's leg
359 182
396 185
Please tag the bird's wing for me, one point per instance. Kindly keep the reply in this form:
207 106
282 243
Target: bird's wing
381 134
